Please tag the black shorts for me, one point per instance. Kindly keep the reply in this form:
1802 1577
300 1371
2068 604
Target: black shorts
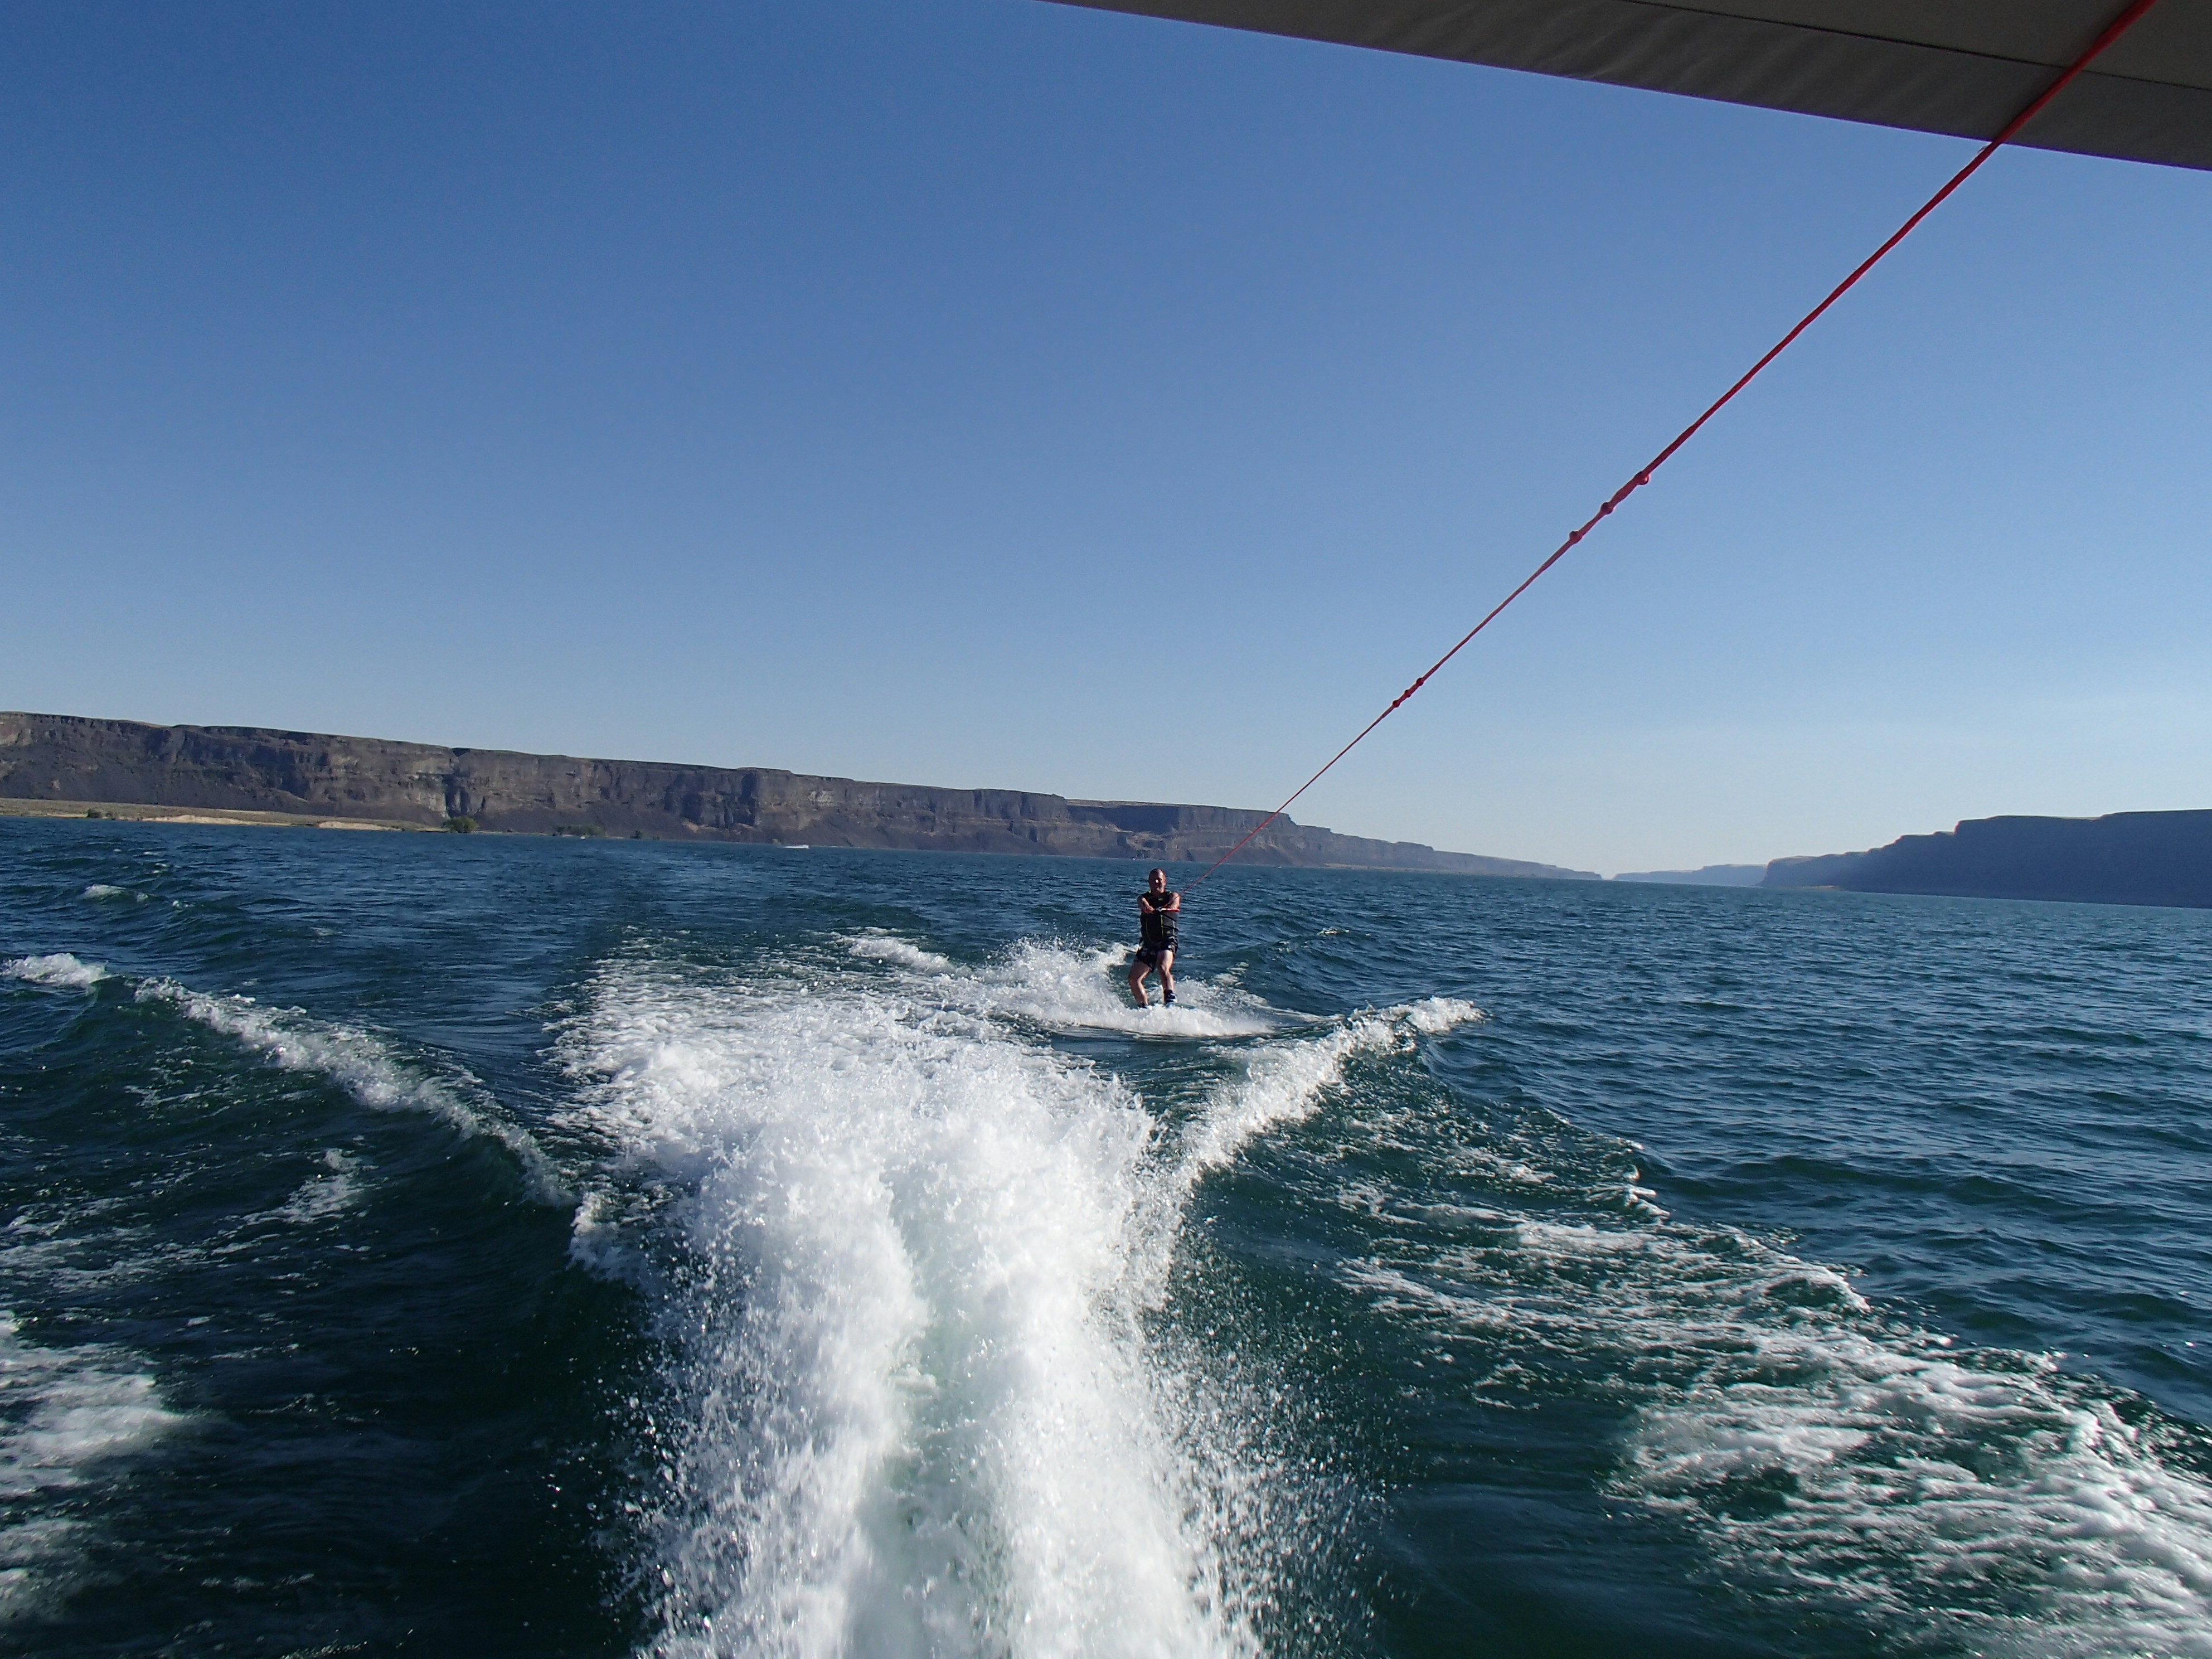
1149 955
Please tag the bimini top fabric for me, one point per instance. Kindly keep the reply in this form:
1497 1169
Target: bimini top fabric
1962 67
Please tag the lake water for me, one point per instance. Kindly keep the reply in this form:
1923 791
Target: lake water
449 1245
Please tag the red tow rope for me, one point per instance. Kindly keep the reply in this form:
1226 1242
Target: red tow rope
2113 30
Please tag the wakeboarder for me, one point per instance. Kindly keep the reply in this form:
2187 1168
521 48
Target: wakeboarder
1158 910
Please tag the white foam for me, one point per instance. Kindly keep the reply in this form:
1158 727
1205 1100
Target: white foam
1831 1457
1285 1083
61 971
1434 1016
66 1412
69 1408
907 1252
1075 988
321 1196
100 889
2003 1503
1282 1083
885 947
917 1412
597 1243
360 1063
1070 989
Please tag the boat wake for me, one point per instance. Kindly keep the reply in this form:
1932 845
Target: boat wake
908 1250
359 1062
1827 1457
364 1066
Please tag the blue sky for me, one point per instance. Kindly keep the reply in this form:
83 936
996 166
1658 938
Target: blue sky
994 392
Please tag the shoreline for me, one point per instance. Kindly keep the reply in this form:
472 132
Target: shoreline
239 775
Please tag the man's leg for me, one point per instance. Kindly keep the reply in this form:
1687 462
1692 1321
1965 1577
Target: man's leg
1167 974
1137 970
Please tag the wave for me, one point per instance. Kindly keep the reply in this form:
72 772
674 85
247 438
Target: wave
61 971
1284 1082
363 1064
1833 1458
1982 1493
908 1254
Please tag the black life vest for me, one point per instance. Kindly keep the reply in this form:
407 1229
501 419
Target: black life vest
1159 925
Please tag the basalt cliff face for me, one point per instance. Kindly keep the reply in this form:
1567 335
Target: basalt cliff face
66 757
2125 858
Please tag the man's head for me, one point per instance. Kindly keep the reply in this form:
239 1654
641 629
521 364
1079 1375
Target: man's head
1158 881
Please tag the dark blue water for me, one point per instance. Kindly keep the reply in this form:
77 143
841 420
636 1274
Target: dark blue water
432 1244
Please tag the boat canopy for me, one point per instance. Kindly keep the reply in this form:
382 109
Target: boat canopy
1960 67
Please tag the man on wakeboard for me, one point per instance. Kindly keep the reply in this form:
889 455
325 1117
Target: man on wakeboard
1158 910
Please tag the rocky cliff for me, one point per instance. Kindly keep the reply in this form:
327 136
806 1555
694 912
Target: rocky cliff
65 757
2125 858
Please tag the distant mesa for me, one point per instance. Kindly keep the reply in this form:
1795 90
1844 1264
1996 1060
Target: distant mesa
1713 875
67 758
2124 858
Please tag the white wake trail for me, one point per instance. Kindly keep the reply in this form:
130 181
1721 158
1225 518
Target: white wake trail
912 1406
360 1063
1830 1457
917 1418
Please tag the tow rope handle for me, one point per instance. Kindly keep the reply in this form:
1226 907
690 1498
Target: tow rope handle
2119 26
